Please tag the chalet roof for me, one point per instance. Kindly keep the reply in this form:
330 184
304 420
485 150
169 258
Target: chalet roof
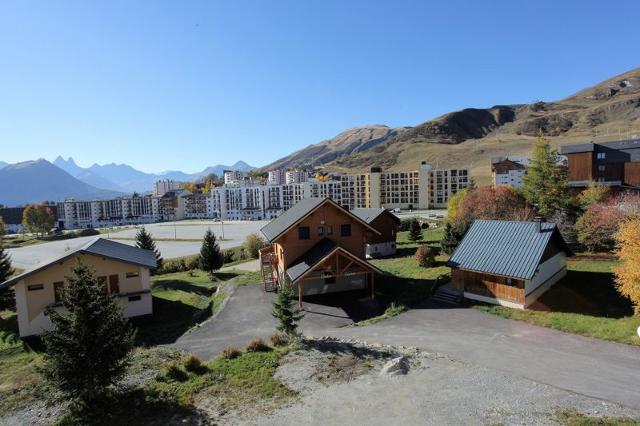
99 247
627 144
504 166
321 250
507 248
371 214
296 213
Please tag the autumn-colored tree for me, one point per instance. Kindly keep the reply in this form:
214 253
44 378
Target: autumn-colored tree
500 202
545 184
454 203
627 274
38 218
594 193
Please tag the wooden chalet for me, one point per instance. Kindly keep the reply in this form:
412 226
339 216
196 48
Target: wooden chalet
319 247
384 243
508 263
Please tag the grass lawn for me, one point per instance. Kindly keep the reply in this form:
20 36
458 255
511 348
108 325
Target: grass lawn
404 282
584 302
571 417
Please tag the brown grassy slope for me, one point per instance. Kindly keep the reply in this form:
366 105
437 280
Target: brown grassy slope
470 137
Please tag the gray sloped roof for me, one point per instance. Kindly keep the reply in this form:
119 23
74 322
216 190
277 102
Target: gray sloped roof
507 248
367 214
315 254
289 217
98 247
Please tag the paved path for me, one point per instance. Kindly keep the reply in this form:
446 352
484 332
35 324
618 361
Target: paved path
587 366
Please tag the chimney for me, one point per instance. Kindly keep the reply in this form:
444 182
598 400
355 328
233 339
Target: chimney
538 221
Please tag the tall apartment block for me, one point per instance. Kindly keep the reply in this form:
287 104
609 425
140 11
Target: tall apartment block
161 187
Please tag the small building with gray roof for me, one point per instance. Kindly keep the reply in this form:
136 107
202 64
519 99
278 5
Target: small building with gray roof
508 263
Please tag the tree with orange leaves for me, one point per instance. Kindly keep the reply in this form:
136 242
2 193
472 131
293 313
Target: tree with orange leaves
628 251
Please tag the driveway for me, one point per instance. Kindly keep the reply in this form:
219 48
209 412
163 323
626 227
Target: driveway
592 367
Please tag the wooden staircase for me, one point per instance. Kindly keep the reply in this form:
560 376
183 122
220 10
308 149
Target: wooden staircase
267 258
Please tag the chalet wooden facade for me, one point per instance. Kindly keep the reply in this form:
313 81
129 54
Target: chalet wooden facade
384 243
508 263
318 247
614 163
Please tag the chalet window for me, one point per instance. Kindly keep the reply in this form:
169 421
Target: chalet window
602 168
320 231
34 287
57 290
329 230
132 274
134 298
601 155
114 284
345 230
304 233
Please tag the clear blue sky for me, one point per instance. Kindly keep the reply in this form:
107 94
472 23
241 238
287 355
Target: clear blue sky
185 84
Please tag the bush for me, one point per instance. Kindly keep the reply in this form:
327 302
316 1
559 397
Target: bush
172 371
426 256
257 345
229 352
405 224
279 339
89 232
252 244
192 363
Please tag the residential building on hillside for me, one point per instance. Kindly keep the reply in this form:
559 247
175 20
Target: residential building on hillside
134 210
161 187
233 176
419 189
123 270
507 262
276 177
296 176
615 163
505 171
319 247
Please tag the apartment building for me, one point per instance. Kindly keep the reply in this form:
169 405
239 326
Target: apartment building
615 163
232 177
276 177
161 187
505 171
419 189
296 176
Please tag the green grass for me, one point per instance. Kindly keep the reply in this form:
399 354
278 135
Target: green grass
571 417
391 311
585 302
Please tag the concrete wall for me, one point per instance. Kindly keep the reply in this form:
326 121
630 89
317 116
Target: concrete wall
312 287
384 249
549 272
32 304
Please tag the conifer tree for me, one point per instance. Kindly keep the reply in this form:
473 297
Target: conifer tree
415 231
211 258
144 240
545 184
87 352
286 311
450 239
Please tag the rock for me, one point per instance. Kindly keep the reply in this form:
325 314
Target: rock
396 367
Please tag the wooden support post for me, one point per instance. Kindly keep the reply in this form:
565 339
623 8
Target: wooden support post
372 285
300 294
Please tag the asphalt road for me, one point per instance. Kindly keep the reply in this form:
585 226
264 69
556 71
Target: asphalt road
599 369
234 234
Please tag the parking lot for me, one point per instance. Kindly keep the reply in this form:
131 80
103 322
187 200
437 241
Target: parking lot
173 239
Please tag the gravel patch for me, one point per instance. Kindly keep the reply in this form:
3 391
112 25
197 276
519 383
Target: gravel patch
438 390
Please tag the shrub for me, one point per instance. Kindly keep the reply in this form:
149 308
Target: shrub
172 370
257 345
192 262
89 232
252 244
425 256
192 363
229 352
405 224
279 339
415 231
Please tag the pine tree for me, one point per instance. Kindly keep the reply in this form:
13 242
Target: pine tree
286 311
6 296
87 352
545 184
211 258
450 239
415 231
144 240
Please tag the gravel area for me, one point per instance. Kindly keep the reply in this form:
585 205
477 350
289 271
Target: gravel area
438 390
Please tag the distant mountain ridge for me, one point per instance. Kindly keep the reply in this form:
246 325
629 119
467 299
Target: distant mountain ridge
124 178
40 180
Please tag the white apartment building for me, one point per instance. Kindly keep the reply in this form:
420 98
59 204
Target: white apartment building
74 214
419 189
161 187
295 176
232 177
508 172
276 177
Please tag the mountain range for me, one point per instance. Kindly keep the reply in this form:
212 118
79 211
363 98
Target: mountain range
40 180
470 137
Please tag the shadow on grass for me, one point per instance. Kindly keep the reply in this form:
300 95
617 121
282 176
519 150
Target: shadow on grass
169 321
409 292
356 305
336 347
587 293
184 286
